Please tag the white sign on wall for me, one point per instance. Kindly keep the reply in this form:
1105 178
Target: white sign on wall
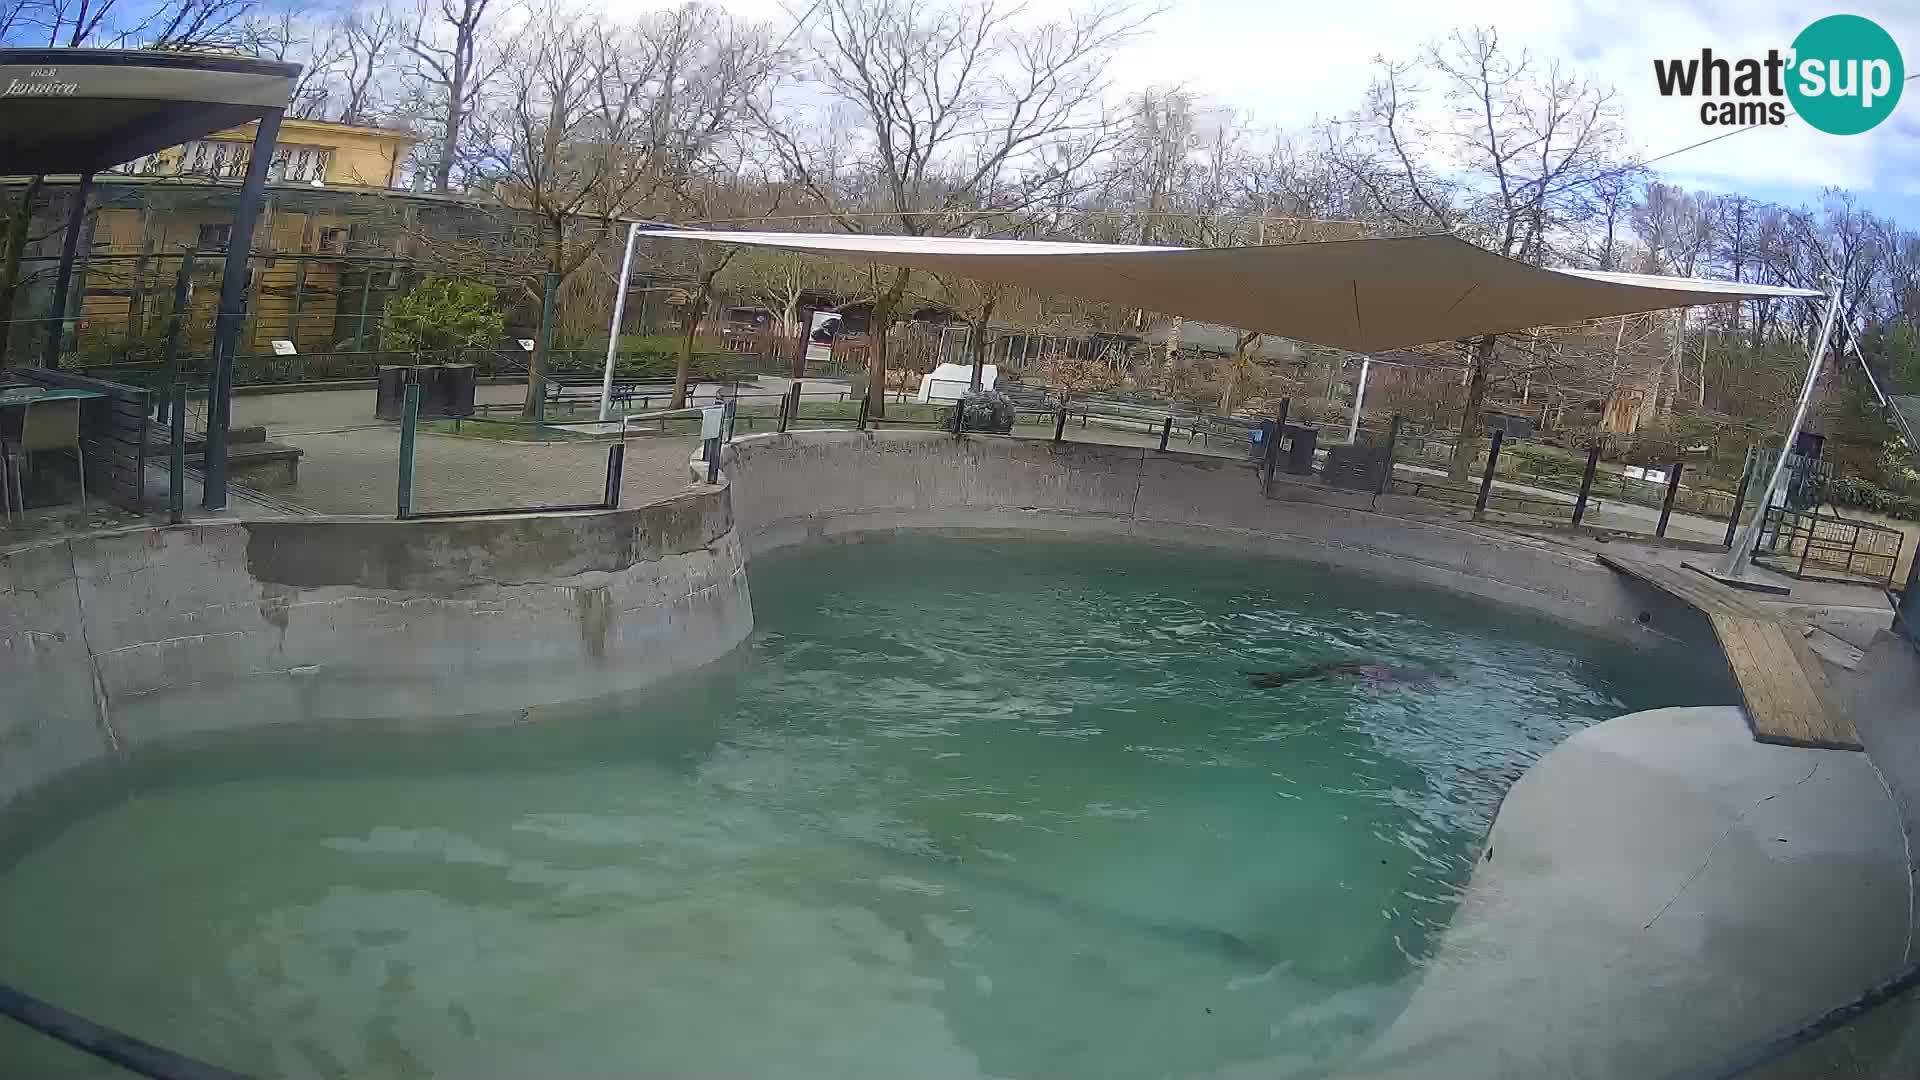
283 347
825 326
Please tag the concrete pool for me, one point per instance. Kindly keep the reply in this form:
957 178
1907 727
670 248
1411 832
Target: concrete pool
393 653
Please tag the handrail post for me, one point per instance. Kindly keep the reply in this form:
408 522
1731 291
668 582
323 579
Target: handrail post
866 403
177 458
1739 500
1586 485
409 421
1060 423
616 466
1166 432
1666 506
1486 479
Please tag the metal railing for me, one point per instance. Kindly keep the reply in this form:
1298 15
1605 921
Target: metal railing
1816 547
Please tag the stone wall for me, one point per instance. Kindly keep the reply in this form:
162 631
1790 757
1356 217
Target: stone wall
802 487
112 641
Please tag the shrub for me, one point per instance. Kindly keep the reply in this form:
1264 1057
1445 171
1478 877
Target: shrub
1865 495
442 316
987 410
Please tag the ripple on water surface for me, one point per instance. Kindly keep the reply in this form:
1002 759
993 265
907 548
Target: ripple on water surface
961 808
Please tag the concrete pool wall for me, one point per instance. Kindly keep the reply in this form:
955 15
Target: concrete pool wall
113 641
813 486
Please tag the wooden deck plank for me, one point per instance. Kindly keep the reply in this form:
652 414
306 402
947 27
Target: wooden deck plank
1784 689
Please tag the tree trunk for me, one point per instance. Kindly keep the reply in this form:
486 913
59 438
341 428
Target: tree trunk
683 359
977 335
877 325
13 247
443 168
1237 371
537 364
1466 446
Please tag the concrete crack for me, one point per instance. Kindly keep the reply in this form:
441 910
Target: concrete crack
1731 825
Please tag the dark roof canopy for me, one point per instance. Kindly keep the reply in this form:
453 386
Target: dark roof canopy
84 110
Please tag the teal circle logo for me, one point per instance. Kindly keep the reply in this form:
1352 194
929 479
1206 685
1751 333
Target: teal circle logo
1846 75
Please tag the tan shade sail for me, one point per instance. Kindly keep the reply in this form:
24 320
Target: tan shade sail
1363 295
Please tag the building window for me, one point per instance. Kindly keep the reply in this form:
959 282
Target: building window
299 164
334 241
214 237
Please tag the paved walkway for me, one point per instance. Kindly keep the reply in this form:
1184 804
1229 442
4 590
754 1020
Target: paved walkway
357 472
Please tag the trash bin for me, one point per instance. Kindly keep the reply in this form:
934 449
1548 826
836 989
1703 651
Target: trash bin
390 392
457 382
1300 455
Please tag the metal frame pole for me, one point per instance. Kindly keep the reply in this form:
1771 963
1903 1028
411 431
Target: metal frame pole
69 250
1166 432
1735 564
549 287
233 283
616 471
182 289
613 331
1359 398
177 456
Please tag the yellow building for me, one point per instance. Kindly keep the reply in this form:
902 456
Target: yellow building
154 208
305 152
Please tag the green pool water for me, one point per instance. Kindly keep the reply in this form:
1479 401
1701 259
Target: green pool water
960 808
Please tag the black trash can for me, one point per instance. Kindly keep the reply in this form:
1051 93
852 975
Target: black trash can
457 382
390 392
433 390
1300 456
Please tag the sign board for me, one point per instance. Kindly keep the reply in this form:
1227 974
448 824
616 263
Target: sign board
821 330
283 347
1651 476
526 343
710 421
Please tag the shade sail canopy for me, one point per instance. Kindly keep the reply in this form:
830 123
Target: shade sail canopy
1364 295
84 110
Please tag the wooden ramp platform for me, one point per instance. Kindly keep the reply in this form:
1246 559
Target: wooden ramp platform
1785 691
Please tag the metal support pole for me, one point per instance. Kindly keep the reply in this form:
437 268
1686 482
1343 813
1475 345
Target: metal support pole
366 301
233 284
409 421
1359 398
69 249
1386 474
1735 563
613 331
786 405
1586 485
1060 424
182 289
1739 499
1166 432
959 419
537 372
866 402
733 410
177 456
616 473
1486 479
1273 447
299 297
1666 506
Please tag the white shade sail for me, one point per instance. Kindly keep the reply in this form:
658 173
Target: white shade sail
1363 295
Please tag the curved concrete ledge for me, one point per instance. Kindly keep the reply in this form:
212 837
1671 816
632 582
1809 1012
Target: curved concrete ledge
112 641
811 486
1657 893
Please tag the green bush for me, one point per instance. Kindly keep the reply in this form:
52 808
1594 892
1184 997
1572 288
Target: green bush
442 316
1865 495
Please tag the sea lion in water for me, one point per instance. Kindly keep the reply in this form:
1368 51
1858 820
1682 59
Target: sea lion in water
1350 669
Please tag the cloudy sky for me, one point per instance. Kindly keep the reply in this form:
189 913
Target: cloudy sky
1287 63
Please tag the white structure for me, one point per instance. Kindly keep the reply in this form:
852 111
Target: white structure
949 382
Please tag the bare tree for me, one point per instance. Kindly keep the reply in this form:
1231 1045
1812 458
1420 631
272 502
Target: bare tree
597 122
957 119
456 58
1508 164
